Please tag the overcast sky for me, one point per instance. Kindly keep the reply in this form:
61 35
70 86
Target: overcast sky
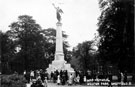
79 18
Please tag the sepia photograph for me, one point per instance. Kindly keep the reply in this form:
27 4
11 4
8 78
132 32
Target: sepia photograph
67 43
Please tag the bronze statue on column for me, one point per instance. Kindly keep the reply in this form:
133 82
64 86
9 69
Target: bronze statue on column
58 12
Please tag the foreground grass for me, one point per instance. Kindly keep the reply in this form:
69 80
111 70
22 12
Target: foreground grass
13 80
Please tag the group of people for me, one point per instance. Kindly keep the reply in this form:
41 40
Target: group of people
37 78
63 77
59 77
80 77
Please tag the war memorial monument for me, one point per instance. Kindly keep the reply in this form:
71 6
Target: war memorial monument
59 63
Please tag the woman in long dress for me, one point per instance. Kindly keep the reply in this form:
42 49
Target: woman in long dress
78 79
70 81
58 80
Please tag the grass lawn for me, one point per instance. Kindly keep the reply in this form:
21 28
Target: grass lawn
13 80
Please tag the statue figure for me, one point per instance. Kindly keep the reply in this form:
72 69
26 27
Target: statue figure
58 12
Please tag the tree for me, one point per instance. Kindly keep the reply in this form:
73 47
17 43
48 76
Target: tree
84 53
116 29
6 52
26 33
0 51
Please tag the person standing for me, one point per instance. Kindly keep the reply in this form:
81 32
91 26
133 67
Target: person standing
122 77
125 76
119 79
81 78
45 82
52 76
31 75
27 76
58 80
70 81
78 78
66 75
42 74
110 79
63 78
24 74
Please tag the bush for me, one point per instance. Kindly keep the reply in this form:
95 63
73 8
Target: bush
13 81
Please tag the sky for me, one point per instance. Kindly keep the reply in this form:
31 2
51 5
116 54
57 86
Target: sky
79 19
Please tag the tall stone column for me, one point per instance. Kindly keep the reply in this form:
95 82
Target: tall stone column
59 63
59 55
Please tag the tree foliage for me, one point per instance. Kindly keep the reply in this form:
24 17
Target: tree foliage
84 53
116 29
26 34
6 51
